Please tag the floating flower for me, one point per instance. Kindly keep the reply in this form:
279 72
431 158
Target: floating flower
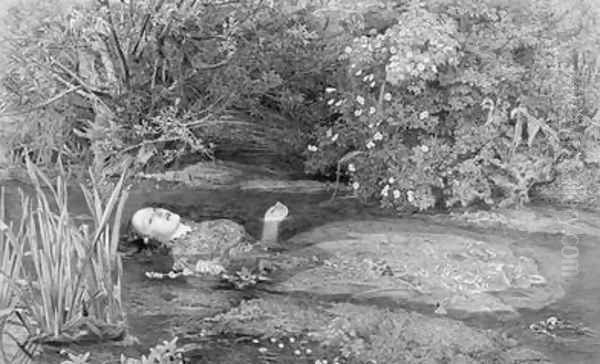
334 138
358 112
424 148
312 148
434 68
410 196
330 89
351 167
330 102
424 115
371 125
370 145
393 50
396 194
356 185
339 103
387 96
385 190
372 110
391 180
372 84
370 77
348 49
378 136
358 73
366 78
360 100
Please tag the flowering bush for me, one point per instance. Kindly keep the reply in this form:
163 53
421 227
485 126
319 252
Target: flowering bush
443 106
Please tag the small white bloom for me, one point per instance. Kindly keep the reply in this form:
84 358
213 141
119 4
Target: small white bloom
393 50
384 191
421 67
370 145
330 89
348 49
330 102
424 148
371 125
387 96
396 194
366 78
424 115
378 136
351 167
312 148
372 84
334 138
372 110
434 68
358 112
329 133
410 195
360 100
391 180
358 73
339 103
356 185
352 65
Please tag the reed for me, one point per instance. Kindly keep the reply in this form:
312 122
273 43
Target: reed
69 271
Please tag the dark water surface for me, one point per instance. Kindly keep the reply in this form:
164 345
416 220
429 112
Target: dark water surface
580 304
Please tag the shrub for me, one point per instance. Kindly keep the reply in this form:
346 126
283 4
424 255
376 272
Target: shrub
457 103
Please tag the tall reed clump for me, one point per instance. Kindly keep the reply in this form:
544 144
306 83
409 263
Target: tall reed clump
69 281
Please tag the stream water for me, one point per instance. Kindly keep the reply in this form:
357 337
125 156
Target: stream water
580 304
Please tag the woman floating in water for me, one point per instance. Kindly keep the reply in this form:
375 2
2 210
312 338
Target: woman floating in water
206 247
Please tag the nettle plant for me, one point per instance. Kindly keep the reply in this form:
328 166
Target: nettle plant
434 110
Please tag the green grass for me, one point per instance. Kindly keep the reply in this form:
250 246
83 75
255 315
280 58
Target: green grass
67 281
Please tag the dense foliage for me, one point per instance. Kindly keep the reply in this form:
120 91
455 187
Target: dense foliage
154 79
462 102
413 103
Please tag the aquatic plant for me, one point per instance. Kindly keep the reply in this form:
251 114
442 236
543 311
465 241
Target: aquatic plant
69 276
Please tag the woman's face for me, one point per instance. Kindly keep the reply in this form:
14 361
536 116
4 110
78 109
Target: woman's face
155 223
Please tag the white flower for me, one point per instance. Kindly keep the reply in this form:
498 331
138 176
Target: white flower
339 103
334 138
358 73
366 78
330 89
396 194
391 180
434 68
360 100
421 67
371 125
358 112
424 115
372 84
312 148
352 65
348 49
330 102
378 136
371 77
372 110
384 191
410 195
393 50
370 145
329 133
351 167
387 96
424 148
356 185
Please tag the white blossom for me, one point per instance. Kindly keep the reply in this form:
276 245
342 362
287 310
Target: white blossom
387 96
356 185
330 89
334 138
329 133
391 180
372 110
358 73
372 84
351 167
393 50
370 145
360 100
358 112
396 194
339 103
424 115
410 195
348 49
378 136
312 148
424 148
330 102
384 191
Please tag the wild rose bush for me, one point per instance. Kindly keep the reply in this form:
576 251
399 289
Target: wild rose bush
435 108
